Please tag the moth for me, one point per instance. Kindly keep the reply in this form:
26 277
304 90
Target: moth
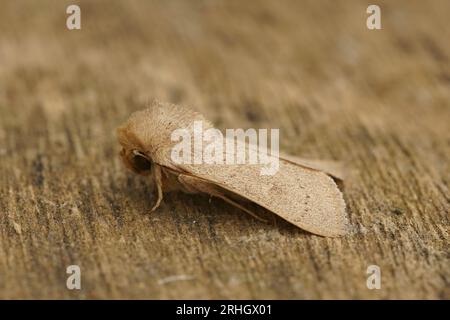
303 192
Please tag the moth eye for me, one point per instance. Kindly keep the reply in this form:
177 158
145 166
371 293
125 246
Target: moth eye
140 163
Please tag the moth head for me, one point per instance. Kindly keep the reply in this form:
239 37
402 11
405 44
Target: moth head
136 161
132 154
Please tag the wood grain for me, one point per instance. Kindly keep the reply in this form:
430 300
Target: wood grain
378 100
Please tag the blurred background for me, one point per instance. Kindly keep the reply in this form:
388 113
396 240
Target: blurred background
376 99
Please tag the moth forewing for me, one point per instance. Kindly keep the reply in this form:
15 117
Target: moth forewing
307 198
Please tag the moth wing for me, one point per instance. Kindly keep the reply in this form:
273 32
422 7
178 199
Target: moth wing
335 169
307 198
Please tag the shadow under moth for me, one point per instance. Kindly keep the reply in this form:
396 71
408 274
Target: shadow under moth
303 192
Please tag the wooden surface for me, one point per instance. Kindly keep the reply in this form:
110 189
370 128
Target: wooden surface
378 100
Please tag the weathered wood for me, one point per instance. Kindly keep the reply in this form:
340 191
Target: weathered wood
377 99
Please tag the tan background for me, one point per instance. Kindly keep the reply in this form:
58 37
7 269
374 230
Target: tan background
376 99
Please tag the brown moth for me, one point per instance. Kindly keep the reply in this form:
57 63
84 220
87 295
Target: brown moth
302 192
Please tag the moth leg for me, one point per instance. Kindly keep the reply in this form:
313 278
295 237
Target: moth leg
196 184
234 203
157 178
